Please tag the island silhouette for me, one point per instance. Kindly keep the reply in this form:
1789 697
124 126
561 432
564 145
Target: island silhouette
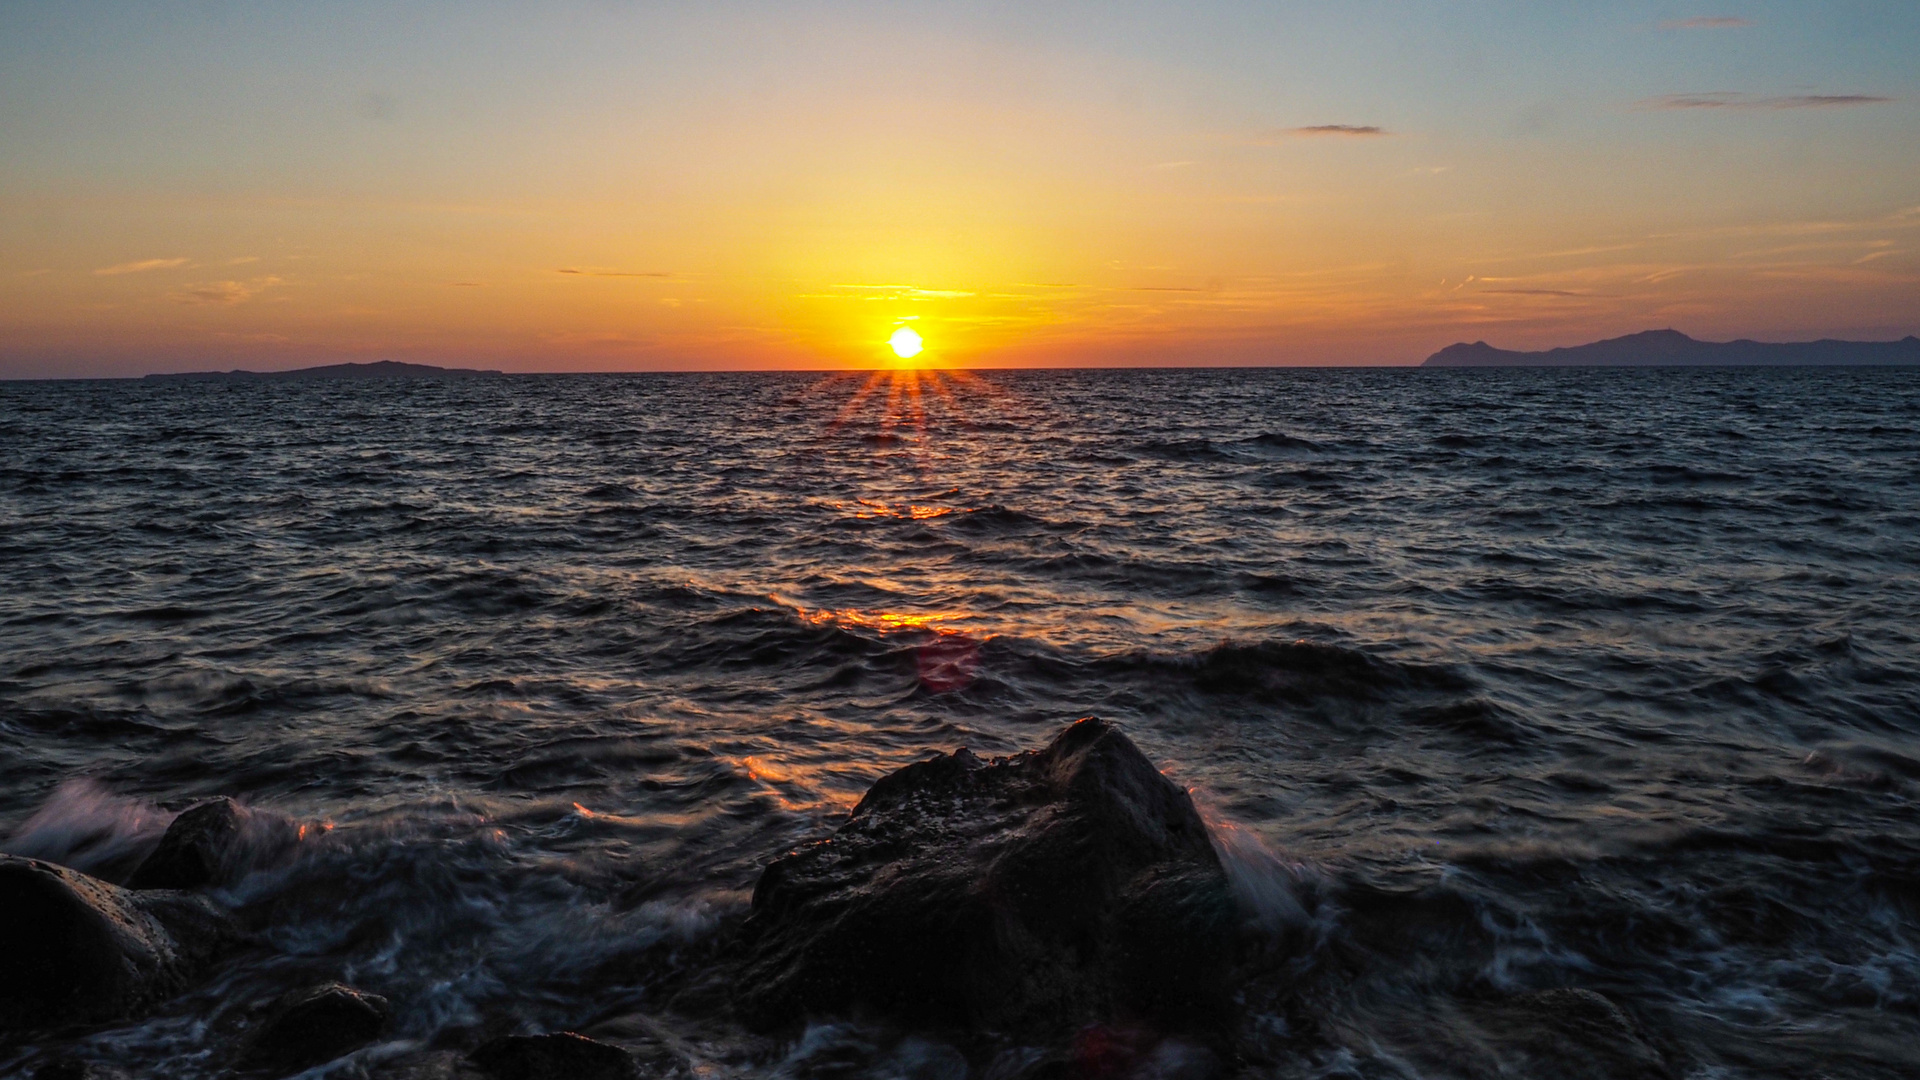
1671 348
379 369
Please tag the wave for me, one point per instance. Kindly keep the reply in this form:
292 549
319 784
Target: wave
1185 450
1270 440
88 827
1301 671
85 825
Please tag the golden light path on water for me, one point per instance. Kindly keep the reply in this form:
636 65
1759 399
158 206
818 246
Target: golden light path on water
918 429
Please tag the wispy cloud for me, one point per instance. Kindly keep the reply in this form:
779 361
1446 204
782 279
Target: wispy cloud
1363 131
908 292
225 293
1539 292
596 339
1731 100
591 272
141 266
1707 22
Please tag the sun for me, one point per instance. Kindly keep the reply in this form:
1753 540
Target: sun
906 344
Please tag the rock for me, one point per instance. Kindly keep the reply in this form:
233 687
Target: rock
663 1049
77 950
196 848
1031 894
314 1025
425 1065
559 1056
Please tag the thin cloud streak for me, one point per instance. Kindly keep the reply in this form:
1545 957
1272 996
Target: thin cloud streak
1540 292
612 273
1363 131
1707 22
1732 100
225 293
139 267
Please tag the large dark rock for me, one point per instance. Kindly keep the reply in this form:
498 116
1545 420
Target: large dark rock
562 1055
77 950
195 849
1033 894
314 1025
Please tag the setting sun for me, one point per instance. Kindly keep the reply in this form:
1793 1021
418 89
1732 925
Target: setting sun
906 344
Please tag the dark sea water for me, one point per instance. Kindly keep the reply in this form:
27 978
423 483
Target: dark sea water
1487 680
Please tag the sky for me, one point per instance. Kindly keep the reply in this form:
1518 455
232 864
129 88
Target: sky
615 185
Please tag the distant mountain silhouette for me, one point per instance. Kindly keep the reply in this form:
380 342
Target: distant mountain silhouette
381 369
1671 348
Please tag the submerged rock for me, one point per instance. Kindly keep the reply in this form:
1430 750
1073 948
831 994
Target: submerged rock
77 950
559 1056
314 1025
1035 893
194 850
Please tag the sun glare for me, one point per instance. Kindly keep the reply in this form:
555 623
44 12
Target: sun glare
906 344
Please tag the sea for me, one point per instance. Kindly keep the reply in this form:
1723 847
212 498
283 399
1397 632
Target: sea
1597 679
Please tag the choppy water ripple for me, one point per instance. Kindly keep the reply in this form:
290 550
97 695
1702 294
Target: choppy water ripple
1491 679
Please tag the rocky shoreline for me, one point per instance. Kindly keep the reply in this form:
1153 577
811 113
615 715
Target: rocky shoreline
1057 913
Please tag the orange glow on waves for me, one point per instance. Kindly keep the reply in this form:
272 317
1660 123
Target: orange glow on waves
945 658
903 395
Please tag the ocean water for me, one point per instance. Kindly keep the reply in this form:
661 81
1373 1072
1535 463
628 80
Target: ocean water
1487 681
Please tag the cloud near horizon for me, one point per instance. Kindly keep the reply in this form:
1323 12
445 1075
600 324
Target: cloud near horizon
1540 292
1356 130
141 266
225 293
612 273
1707 22
1732 100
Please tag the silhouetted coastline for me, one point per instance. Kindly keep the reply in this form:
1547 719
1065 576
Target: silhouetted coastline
1671 348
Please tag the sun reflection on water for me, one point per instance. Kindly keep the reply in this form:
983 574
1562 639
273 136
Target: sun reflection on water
902 404
904 395
946 658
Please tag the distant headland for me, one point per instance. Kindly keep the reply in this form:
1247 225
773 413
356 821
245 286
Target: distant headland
1671 348
381 369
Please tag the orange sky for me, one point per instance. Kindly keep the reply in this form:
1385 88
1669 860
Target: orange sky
624 186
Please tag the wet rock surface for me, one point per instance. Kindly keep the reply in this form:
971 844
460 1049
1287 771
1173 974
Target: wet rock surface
78 950
1033 894
313 1025
195 849
562 1055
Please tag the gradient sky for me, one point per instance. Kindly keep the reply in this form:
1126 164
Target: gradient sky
625 185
